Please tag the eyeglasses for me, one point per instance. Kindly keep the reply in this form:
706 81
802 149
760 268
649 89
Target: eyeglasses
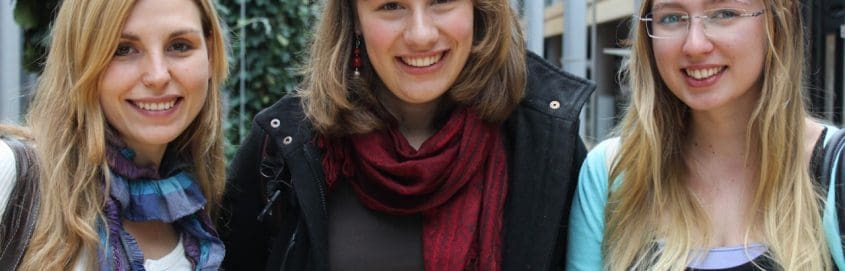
670 24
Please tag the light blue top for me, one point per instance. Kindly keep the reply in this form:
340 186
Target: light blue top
586 221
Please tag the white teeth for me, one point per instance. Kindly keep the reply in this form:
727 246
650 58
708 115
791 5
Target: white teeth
703 74
156 106
422 61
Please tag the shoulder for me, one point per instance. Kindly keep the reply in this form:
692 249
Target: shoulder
548 83
7 174
283 119
287 110
601 156
595 171
7 158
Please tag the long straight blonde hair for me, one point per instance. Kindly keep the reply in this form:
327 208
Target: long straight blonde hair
69 129
650 201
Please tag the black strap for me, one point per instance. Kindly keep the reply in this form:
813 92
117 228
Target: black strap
816 163
22 207
834 151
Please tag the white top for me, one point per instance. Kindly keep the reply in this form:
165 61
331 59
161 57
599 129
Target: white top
8 171
173 261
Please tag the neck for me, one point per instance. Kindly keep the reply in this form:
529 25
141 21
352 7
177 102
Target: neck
721 132
146 155
416 121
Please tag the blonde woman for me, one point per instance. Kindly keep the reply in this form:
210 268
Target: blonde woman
423 138
127 121
711 169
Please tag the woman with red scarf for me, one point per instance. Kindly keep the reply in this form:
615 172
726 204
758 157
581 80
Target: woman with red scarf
422 138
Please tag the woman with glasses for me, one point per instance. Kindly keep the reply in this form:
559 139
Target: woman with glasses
711 166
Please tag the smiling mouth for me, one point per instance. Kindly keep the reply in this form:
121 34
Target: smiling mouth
701 74
156 106
422 62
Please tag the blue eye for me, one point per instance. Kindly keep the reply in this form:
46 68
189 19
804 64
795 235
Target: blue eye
724 14
672 18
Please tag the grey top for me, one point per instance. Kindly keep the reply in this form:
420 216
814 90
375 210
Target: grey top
363 239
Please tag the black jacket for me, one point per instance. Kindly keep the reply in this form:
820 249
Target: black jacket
544 154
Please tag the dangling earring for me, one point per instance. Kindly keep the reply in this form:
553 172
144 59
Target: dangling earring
356 56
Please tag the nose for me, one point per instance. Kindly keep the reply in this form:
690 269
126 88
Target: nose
421 32
697 42
156 71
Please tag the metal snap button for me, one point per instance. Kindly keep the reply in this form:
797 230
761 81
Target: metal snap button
287 140
275 123
554 104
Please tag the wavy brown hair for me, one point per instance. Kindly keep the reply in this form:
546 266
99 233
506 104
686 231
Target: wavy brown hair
649 201
69 128
493 79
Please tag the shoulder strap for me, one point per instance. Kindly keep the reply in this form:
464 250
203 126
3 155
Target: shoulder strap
22 210
833 152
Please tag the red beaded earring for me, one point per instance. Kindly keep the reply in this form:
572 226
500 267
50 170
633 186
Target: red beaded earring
356 55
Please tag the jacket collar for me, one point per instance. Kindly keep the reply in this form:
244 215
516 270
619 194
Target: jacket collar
554 91
286 124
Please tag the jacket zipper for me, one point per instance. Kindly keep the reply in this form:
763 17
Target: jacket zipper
309 150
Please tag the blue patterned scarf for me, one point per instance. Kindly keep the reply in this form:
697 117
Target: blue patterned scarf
141 194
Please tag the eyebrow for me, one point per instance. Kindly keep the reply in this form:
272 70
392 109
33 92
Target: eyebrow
674 4
134 37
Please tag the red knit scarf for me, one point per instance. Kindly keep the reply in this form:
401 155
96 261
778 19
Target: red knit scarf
457 180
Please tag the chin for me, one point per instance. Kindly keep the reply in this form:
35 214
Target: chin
161 138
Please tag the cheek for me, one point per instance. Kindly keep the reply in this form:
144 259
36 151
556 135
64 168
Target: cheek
116 79
194 75
749 57
458 24
113 85
378 37
109 104
665 58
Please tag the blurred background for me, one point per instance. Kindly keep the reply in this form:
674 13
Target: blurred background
268 39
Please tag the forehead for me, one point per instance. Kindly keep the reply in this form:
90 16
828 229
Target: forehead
658 4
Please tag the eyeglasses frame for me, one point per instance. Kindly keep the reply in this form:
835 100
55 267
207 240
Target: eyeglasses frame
648 20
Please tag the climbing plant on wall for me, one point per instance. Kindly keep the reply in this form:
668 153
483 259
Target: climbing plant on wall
273 36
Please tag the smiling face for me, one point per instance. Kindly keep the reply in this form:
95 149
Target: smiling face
719 69
417 47
157 81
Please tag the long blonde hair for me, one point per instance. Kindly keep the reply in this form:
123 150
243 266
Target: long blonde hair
69 129
493 79
650 201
